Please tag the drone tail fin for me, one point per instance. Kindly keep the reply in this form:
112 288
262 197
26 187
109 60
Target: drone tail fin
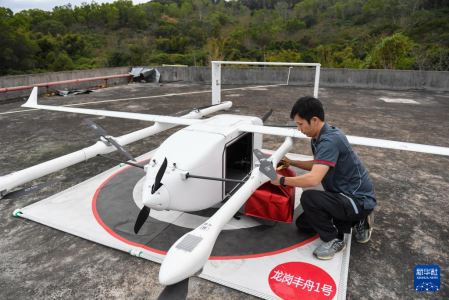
32 100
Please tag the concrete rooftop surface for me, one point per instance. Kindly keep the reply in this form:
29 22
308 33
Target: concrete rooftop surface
411 219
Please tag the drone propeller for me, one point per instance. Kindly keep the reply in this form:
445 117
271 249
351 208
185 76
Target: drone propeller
157 182
141 218
145 211
101 132
267 115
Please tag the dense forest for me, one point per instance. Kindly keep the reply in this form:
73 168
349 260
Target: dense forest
386 34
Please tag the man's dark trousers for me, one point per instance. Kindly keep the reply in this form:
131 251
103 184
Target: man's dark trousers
329 214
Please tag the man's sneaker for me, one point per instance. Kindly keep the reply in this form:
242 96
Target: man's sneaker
363 229
329 249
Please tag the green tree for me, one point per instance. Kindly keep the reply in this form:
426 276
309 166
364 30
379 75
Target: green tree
17 48
51 26
118 59
137 54
64 14
62 62
390 10
284 56
33 16
292 25
433 57
392 52
307 8
215 48
345 58
74 44
337 33
111 15
324 54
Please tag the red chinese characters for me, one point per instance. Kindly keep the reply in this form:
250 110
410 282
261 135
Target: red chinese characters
300 280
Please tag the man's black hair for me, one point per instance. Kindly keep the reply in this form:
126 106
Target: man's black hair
307 108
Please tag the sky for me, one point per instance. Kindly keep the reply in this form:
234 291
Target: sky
18 5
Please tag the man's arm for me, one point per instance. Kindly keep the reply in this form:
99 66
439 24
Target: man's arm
302 164
313 178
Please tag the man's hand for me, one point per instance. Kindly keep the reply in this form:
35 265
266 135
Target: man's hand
284 163
276 181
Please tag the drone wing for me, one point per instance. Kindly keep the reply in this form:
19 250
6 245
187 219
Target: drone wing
356 140
32 103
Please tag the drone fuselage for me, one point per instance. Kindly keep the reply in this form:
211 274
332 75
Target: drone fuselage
212 148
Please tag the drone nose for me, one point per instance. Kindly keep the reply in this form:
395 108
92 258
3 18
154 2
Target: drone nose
160 200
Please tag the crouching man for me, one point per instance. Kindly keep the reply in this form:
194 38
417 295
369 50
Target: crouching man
348 197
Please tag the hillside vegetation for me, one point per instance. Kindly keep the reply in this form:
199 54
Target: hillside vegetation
386 34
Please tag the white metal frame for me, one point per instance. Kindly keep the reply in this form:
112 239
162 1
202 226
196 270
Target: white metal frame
216 74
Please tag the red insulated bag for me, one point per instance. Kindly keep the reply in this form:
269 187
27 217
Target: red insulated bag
273 202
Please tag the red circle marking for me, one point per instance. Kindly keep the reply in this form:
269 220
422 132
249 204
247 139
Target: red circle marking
154 250
300 280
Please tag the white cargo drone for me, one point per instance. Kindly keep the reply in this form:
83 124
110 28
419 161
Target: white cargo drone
209 149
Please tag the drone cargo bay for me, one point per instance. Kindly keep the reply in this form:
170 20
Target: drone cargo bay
412 190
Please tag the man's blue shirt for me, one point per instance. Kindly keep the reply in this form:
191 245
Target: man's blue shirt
346 175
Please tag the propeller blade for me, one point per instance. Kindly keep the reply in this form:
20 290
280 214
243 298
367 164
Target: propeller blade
157 182
177 291
120 148
141 218
145 211
267 115
100 131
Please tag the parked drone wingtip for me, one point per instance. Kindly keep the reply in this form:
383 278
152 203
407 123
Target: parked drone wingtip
32 100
